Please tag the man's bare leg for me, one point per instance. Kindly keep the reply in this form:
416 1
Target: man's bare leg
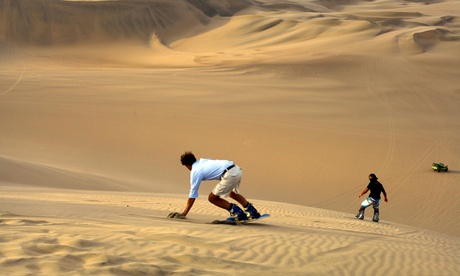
224 204
240 198
218 201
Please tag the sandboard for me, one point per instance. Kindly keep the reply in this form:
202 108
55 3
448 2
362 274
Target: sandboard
232 222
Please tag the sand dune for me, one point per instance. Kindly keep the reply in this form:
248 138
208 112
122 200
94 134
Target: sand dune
277 33
105 236
98 99
19 172
48 22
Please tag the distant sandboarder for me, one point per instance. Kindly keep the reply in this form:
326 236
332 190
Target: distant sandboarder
374 197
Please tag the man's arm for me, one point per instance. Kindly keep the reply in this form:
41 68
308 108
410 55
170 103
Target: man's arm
182 215
365 191
188 206
385 195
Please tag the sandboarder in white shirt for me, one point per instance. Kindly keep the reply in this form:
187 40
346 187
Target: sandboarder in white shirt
229 176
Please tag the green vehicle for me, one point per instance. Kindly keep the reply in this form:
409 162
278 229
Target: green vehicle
439 167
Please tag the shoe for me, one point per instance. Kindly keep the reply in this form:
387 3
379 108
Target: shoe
251 212
360 214
376 217
236 214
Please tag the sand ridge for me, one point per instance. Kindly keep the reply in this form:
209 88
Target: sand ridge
114 233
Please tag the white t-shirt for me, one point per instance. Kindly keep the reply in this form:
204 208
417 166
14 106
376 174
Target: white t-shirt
206 169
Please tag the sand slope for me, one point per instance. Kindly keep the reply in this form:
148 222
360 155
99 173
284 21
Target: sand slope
116 234
308 97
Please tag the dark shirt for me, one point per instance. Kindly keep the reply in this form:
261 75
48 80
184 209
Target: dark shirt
376 188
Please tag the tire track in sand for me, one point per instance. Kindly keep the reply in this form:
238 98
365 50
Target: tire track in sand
374 67
15 63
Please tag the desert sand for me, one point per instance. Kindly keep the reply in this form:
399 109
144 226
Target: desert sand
98 100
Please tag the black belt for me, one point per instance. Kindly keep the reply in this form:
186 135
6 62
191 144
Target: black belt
227 169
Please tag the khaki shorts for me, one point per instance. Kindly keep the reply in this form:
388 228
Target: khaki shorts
230 182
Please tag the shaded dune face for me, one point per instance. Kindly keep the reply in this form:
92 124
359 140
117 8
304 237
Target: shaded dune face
67 22
266 24
428 39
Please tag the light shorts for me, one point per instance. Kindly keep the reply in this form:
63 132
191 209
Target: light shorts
230 182
371 201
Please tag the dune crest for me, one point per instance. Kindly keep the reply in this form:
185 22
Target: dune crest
46 23
219 31
21 173
428 39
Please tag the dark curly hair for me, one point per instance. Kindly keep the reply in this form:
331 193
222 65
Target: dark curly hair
187 158
373 177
